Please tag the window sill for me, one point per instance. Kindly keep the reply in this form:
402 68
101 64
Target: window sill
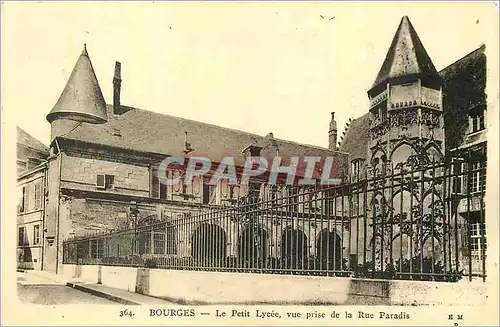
28 212
476 132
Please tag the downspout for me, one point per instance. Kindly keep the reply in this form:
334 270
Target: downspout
44 213
58 203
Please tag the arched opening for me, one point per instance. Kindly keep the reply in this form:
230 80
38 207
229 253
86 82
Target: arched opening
432 250
379 206
402 248
378 162
433 154
293 248
253 247
329 250
208 245
404 156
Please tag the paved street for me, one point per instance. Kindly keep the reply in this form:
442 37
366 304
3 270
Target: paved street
56 294
38 290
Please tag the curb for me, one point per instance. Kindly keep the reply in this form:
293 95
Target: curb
101 294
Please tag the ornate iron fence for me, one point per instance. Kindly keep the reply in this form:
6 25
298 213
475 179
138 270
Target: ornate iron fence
408 220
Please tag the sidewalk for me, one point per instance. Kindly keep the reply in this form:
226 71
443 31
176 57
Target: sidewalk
37 277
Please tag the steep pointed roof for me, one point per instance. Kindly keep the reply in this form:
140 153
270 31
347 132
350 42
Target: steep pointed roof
81 99
406 56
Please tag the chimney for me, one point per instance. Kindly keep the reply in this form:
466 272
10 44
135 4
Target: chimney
117 83
332 134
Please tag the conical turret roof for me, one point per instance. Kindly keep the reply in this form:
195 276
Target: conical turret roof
406 56
81 99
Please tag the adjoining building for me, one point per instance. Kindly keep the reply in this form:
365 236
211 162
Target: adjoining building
31 168
417 116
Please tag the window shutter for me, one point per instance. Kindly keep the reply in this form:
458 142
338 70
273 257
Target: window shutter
100 183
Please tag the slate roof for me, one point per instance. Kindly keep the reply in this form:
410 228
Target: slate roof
463 90
406 56
356 138
464 83
81 98
150 132
27 140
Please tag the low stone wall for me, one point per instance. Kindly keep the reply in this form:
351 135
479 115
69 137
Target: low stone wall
203 287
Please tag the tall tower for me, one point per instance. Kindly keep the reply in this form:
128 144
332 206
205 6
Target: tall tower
406 131
406 104
81 101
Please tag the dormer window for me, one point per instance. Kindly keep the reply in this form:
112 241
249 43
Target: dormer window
476 120
252 151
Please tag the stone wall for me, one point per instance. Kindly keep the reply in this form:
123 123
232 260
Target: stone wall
80 172
203 287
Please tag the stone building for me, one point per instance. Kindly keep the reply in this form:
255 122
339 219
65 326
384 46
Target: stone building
101 174
102 170
420 116
31 168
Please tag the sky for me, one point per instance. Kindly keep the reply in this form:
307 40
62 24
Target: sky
257 67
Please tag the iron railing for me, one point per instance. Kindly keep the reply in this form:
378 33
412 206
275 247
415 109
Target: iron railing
411 220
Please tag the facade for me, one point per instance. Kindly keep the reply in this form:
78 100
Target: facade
31 169
102 170
101 176
419 116
31 205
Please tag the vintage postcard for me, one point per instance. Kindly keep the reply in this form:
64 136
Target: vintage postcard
250 163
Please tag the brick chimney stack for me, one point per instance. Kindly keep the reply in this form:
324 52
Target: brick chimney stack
117 84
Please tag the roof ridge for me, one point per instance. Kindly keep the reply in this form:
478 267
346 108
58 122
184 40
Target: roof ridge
228 128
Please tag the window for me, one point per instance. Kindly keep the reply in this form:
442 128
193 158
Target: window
144 242
255 151
105 181
21 237
171 244
477 178
159 242
26 197
97 248
477 121
356 167
36 234
478 244
22 200
110 181
209 194
457 177
38 195
158 189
